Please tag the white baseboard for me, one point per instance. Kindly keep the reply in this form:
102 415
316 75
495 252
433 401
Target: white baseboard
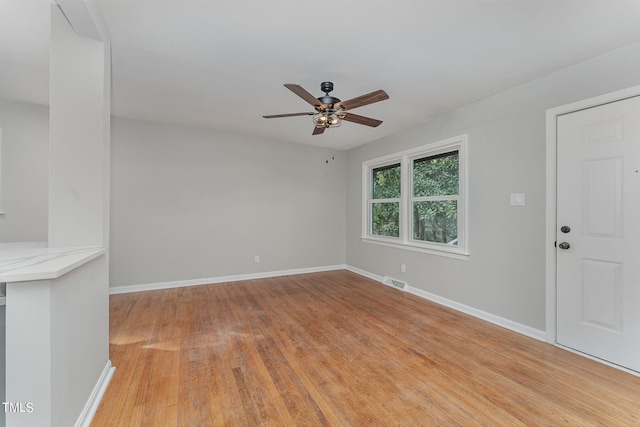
90 408
483 315
222 279
365 273
491 318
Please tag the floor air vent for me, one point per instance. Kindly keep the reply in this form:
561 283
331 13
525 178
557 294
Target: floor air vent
398 284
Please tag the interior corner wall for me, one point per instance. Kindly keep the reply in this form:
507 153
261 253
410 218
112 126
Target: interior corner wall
505 273
189 204
24 169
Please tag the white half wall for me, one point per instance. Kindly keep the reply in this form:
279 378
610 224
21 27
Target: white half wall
505 273
57 344
189 204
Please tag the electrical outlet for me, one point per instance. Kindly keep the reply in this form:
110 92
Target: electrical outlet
403 268
256 259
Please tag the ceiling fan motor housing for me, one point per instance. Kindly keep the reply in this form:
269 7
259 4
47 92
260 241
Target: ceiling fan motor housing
328 100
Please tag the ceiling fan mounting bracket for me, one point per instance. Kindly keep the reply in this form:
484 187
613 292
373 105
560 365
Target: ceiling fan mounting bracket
326 87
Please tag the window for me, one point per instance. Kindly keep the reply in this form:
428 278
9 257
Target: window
385 200
434 198
416 199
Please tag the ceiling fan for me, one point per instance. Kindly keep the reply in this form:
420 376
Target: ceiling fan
330 111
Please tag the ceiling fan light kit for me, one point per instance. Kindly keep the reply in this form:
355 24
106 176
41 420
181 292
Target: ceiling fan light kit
328 119
330 111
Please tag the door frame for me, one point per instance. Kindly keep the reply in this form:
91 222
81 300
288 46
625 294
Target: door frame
551 208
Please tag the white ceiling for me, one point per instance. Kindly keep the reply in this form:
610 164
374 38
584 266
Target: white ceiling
221 64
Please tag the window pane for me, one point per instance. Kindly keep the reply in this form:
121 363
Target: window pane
436 221
385 219
386 182
436 175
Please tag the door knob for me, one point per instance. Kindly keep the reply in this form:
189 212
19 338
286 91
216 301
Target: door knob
565 229
564 245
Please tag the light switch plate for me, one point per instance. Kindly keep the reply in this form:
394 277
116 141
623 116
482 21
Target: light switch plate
517 199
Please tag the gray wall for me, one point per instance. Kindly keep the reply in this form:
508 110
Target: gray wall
189 204
24 137
505 274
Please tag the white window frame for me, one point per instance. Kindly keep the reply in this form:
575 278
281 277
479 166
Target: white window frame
371 200
406 158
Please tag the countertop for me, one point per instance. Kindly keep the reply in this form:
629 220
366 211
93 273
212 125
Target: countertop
20 262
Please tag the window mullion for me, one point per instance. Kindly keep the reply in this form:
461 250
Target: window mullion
392 200
455 197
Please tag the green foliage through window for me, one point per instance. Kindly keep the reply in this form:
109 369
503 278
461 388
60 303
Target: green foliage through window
386 182
436 175
435 220
385 219
385 216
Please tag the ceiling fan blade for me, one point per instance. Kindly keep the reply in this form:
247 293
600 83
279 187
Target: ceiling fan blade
275 116
318 131
362 120
302 93
369 98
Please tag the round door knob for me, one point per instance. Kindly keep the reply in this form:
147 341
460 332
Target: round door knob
564 245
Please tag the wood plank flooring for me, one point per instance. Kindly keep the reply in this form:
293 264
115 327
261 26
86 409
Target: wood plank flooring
337 349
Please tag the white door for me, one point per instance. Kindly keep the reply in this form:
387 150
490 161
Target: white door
598 250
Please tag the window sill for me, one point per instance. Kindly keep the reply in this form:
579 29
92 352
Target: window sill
455 253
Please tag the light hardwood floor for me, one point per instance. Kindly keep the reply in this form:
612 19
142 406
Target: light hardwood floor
338 349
